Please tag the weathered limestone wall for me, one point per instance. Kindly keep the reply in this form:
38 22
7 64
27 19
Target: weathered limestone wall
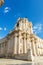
10 44
2 49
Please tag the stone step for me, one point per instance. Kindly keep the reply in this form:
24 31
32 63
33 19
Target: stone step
38 58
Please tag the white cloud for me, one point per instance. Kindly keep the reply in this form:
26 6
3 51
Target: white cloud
6 9
1 28
37 28
5 28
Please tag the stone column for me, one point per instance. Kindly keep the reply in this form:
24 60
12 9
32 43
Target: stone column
24 44
19 38
15 44
36 46
29 51
33 47
28 41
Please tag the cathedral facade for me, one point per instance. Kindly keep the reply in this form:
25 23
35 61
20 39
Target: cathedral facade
21 42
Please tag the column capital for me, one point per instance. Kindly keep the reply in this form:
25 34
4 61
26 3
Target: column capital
27 35
15 35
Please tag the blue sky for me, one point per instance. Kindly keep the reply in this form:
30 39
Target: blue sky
12 9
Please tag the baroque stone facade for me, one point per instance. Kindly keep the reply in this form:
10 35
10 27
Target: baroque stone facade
21 43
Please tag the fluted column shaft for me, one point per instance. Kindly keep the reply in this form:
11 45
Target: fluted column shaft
33 46
36 48
19 39
28 41
24 44
15 44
